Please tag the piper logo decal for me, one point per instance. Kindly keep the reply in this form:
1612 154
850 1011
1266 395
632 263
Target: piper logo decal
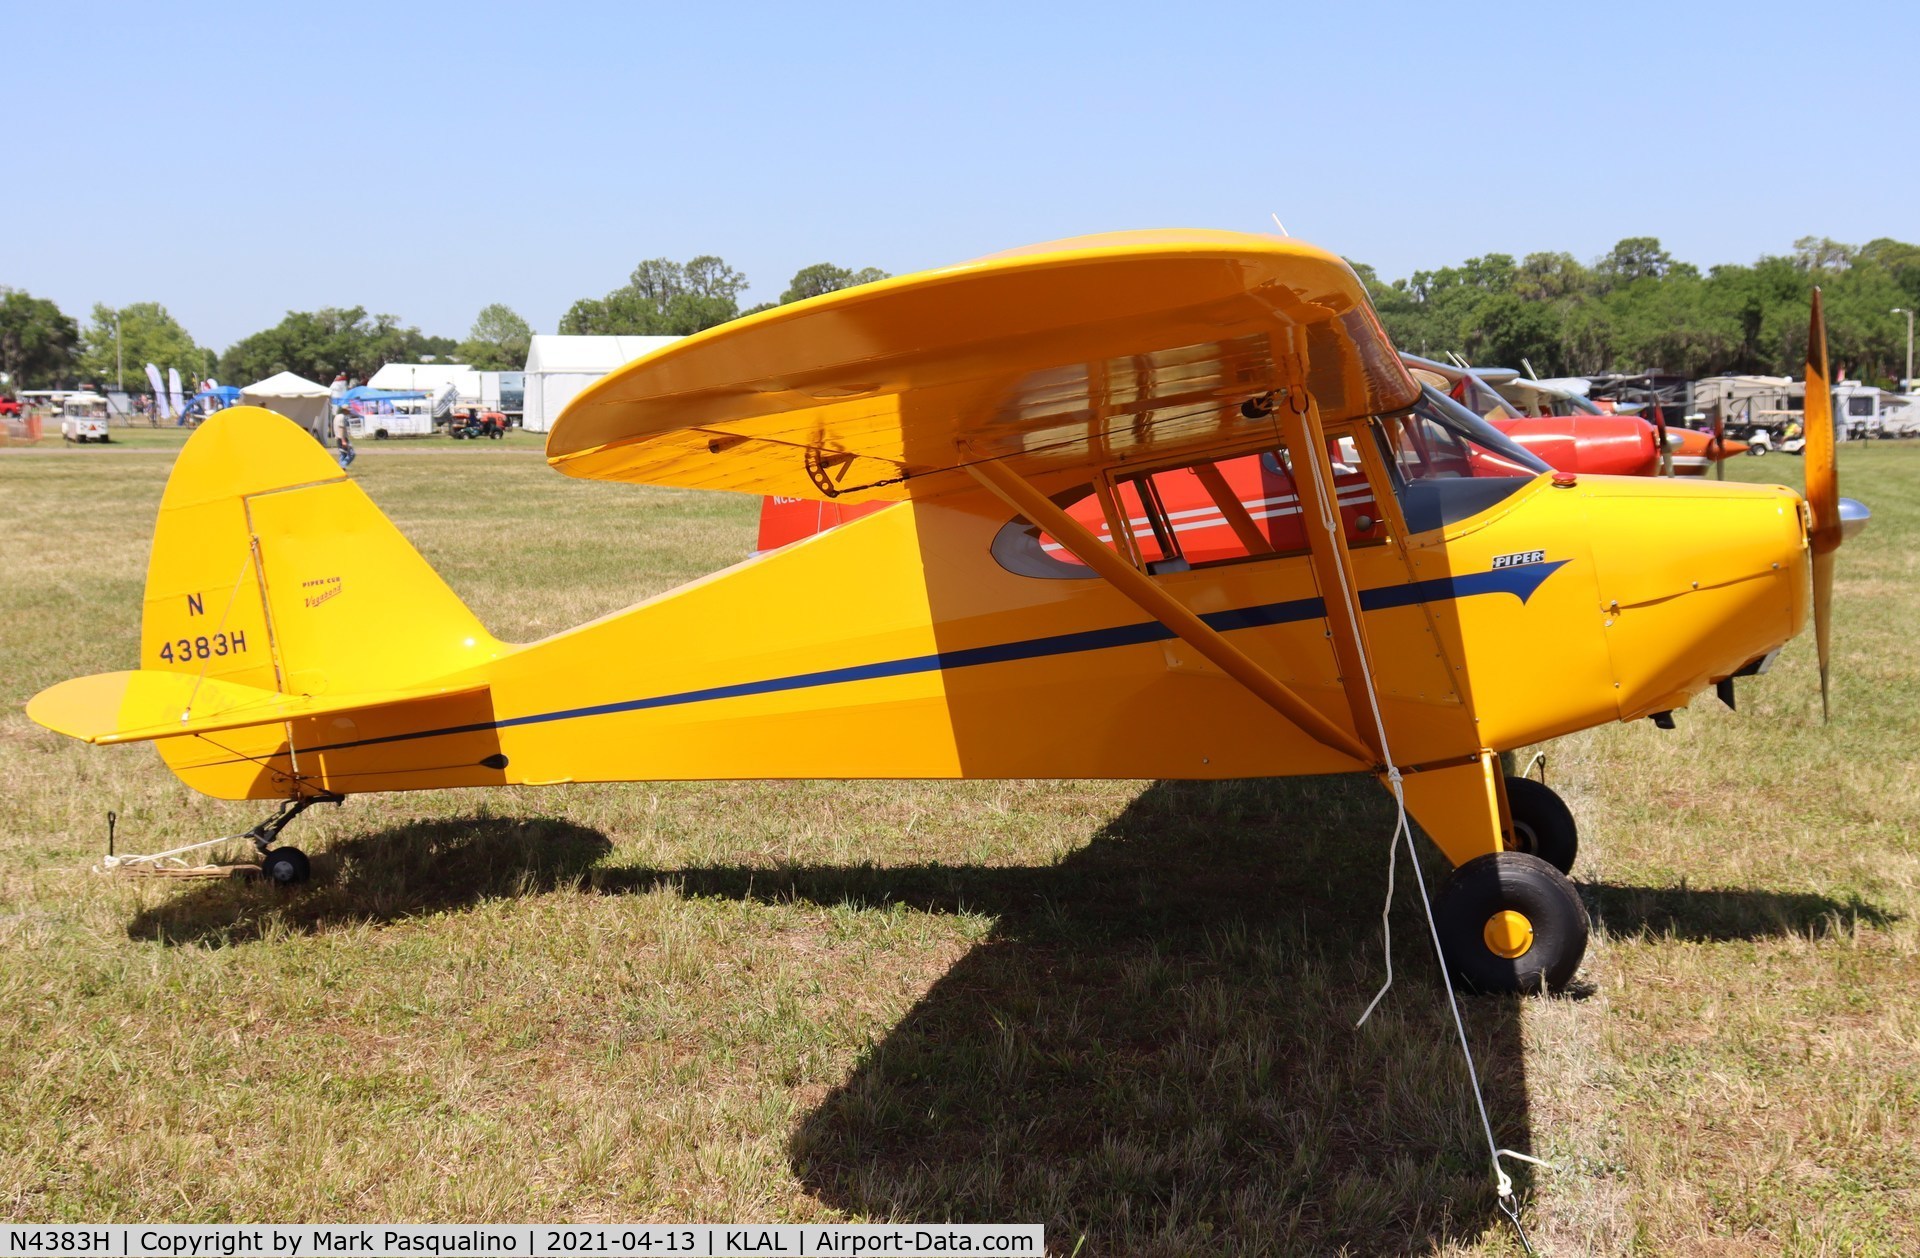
1518 558
319 590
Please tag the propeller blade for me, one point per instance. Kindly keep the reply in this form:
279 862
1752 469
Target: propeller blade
1823 491
1823 622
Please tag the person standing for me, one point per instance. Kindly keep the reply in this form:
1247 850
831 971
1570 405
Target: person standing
343 437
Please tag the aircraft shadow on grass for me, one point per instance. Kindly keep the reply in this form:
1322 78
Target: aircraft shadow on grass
1154 1046
401 872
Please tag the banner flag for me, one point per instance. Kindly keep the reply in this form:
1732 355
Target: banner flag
159 392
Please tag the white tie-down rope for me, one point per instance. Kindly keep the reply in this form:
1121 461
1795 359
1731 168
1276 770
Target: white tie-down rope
1330 521
111 862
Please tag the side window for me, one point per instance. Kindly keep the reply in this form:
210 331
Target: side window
1359 513
1140 500
1204 513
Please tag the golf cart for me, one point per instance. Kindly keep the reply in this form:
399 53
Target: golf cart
83 418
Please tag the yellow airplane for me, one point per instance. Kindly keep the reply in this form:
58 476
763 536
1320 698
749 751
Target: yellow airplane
1427 595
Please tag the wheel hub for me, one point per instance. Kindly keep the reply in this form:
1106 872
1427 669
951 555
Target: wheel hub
1508 934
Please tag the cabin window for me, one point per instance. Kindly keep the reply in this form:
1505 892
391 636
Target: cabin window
1447 463
1860 406
1202 514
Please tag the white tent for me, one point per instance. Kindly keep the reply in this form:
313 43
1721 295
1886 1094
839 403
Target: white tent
560 366
307 404
430 378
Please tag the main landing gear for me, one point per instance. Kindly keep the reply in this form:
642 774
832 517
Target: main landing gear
1542 824
286 865
1511 921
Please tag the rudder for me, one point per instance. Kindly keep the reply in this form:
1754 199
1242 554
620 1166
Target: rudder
271 569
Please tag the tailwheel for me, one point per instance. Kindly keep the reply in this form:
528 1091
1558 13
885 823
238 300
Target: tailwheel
1510 922
286 866
1543 825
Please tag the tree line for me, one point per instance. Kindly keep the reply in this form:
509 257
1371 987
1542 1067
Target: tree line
42 347
1635 309
667 298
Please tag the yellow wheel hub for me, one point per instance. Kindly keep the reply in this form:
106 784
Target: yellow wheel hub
1508 934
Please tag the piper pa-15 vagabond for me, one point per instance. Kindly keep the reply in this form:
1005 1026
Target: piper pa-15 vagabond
1439 596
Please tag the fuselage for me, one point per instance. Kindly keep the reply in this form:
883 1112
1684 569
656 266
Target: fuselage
946 638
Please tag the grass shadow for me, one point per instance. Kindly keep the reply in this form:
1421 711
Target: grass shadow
1711 916
1155 1046
405 871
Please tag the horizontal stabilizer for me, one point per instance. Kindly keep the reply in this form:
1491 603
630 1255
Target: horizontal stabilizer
145 705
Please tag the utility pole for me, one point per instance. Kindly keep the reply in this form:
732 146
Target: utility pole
1906 384
120 368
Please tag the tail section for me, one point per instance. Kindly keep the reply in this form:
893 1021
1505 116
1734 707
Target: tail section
275 587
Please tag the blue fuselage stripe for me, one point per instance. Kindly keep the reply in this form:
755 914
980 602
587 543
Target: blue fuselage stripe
1520 581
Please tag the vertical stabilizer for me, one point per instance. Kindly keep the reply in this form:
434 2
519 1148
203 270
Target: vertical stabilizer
272 569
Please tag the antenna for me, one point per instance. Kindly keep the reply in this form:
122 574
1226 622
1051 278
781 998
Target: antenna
1277 223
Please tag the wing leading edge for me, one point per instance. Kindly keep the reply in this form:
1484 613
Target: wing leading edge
1097 351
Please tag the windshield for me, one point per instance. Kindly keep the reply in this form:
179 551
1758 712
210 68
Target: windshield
1447 463
1482 399
1439 437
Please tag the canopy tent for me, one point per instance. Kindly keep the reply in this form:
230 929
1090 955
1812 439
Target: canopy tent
307 404
364 393
428 378
560 366
217 398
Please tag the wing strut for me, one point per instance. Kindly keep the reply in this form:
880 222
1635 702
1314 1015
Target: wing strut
1018 493
1332 564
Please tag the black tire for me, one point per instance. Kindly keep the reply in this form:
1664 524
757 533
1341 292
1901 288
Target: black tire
1543 825
380 434
1480 899
286 866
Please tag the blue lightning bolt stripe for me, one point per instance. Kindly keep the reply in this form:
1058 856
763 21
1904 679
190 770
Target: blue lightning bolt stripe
1520 581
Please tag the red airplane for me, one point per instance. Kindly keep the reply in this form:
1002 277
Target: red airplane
1571 433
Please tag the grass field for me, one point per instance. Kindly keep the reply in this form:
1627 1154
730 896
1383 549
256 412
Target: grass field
1122 1009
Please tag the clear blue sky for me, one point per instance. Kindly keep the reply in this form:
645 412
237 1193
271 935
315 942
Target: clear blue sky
426 159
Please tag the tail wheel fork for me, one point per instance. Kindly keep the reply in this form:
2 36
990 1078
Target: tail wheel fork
286 865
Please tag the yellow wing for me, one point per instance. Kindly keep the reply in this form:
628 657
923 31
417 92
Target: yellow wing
1105 349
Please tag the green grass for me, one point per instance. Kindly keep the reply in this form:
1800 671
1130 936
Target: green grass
1122 1009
